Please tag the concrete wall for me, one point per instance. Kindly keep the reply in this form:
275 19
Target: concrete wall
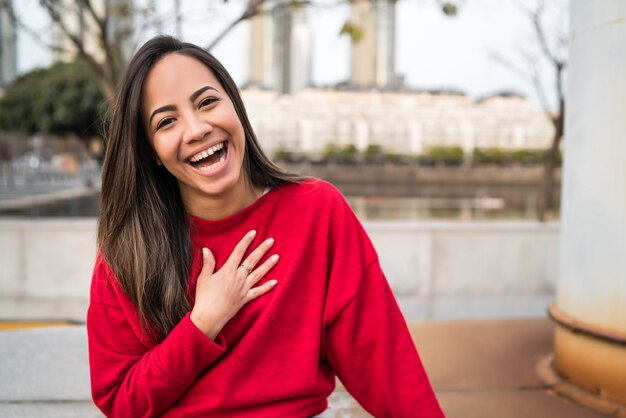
436 269
46 268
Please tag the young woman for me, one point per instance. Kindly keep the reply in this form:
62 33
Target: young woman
192 314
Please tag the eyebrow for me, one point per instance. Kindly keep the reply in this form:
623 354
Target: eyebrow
198 92
192 98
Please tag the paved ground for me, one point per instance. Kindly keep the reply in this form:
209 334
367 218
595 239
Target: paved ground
479 368
485 369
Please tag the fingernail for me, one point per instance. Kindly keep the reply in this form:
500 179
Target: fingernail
270 242
205 252
274 257
252 234
273 282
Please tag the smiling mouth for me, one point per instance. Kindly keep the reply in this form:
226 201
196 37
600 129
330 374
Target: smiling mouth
210 159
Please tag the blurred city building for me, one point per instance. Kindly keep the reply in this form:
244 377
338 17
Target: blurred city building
400 121
281 48
372 107
8 46
372 55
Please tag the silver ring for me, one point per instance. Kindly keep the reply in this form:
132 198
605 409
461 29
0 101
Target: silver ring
248 269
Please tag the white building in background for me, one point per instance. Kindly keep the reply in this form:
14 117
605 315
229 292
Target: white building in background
8 48
404 122
286 114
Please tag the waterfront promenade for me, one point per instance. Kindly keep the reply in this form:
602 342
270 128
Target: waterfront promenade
475 295
479 369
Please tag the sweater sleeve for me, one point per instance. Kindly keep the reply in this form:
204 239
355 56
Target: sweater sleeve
369 347
130 376
366 339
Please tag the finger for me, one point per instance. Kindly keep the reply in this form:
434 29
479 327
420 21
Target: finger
260 272
208 262
240 249
258 252
259 291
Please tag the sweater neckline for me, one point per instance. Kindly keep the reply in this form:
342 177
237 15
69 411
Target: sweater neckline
211 225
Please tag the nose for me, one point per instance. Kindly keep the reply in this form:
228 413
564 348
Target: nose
196 128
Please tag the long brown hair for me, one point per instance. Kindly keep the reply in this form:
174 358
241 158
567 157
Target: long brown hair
143 231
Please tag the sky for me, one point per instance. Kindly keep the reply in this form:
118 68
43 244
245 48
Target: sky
432 50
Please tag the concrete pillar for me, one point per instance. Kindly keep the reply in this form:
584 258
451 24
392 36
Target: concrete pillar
590 337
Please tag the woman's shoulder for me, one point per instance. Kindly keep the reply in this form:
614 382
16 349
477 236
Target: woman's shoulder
317 199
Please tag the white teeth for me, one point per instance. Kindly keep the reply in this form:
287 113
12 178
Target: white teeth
213 166
203 154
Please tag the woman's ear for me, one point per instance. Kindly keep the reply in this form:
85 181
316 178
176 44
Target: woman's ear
157 161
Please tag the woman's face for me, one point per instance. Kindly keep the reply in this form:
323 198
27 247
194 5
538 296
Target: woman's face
194 128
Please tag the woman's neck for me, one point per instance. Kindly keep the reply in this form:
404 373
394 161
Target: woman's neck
216 207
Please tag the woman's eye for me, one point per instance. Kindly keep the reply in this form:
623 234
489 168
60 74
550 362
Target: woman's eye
164 123
206 102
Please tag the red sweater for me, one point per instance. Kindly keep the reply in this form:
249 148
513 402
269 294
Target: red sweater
331 313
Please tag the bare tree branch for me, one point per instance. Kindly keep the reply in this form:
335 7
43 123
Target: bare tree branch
34 34
253 8
103 71
55 15
539 32
102 24
507 63
557 59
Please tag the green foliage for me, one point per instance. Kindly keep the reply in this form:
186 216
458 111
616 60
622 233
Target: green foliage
349 152
353 30
498 156
373 150
449 9
297 4
528 156
286 155
282 154
331 152
490 156
396 158
446 155
346 154
59 100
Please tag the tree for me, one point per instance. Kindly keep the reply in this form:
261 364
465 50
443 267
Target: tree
549 48
63 99
99 37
